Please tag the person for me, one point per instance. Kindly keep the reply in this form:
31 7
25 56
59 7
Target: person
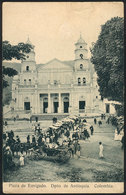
104 116
108 120
95 121
21 160
100 123
92 129
5 123
33 141
18 139
78 150
100 150
28 139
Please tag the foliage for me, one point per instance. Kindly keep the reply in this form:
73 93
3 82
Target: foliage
108 59
119 110
17 52
10 52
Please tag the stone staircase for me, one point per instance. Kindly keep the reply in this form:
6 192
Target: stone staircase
49 116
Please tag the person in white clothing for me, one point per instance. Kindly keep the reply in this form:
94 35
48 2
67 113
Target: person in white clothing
100 150
21 160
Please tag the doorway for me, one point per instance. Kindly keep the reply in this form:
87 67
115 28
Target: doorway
107 108
45 107
66 107
56 104
26 105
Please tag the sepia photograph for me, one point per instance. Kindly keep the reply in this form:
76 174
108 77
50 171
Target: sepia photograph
63 97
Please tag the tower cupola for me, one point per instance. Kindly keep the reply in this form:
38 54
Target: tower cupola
29 64
81 49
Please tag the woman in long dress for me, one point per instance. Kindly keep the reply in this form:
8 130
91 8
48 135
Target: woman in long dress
100 150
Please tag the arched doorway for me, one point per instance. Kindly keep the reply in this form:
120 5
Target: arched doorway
55 104
66 104
45 105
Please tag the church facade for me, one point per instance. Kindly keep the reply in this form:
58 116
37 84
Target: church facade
57 87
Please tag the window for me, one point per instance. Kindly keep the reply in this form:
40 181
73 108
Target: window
27 68
80 46
25 81
81 66
84 81
96 97
81 55
15 88
30 81
15 100
79 81
55 82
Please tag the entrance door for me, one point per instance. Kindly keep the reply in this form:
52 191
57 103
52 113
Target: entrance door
81 106
27 105
45 106
66 107
107 108
56 107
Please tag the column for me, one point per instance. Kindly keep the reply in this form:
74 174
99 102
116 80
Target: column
70 102
38 105
60 104
35 101
20 102
49 103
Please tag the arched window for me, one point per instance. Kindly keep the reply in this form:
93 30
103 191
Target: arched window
27 68
55 82
84 81
81 46
30 81
81 66
79 81
81 55
24 81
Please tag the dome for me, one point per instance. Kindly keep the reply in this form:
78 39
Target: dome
29 42
80 40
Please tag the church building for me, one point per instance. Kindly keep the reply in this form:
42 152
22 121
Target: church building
57 86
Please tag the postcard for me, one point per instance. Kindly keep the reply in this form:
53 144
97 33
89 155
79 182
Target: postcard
63 107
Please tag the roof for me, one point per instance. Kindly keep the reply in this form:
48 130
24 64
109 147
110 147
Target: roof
29 42
80 40
68 63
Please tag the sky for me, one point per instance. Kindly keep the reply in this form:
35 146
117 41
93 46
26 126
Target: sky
55 27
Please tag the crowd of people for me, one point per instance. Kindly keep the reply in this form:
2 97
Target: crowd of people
65 134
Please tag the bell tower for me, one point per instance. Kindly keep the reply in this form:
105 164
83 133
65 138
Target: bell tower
81 53
28 73
29 63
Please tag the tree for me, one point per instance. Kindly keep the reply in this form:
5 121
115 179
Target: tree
108 59
10 52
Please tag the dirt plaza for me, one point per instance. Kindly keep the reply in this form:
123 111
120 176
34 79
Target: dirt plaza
88 168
